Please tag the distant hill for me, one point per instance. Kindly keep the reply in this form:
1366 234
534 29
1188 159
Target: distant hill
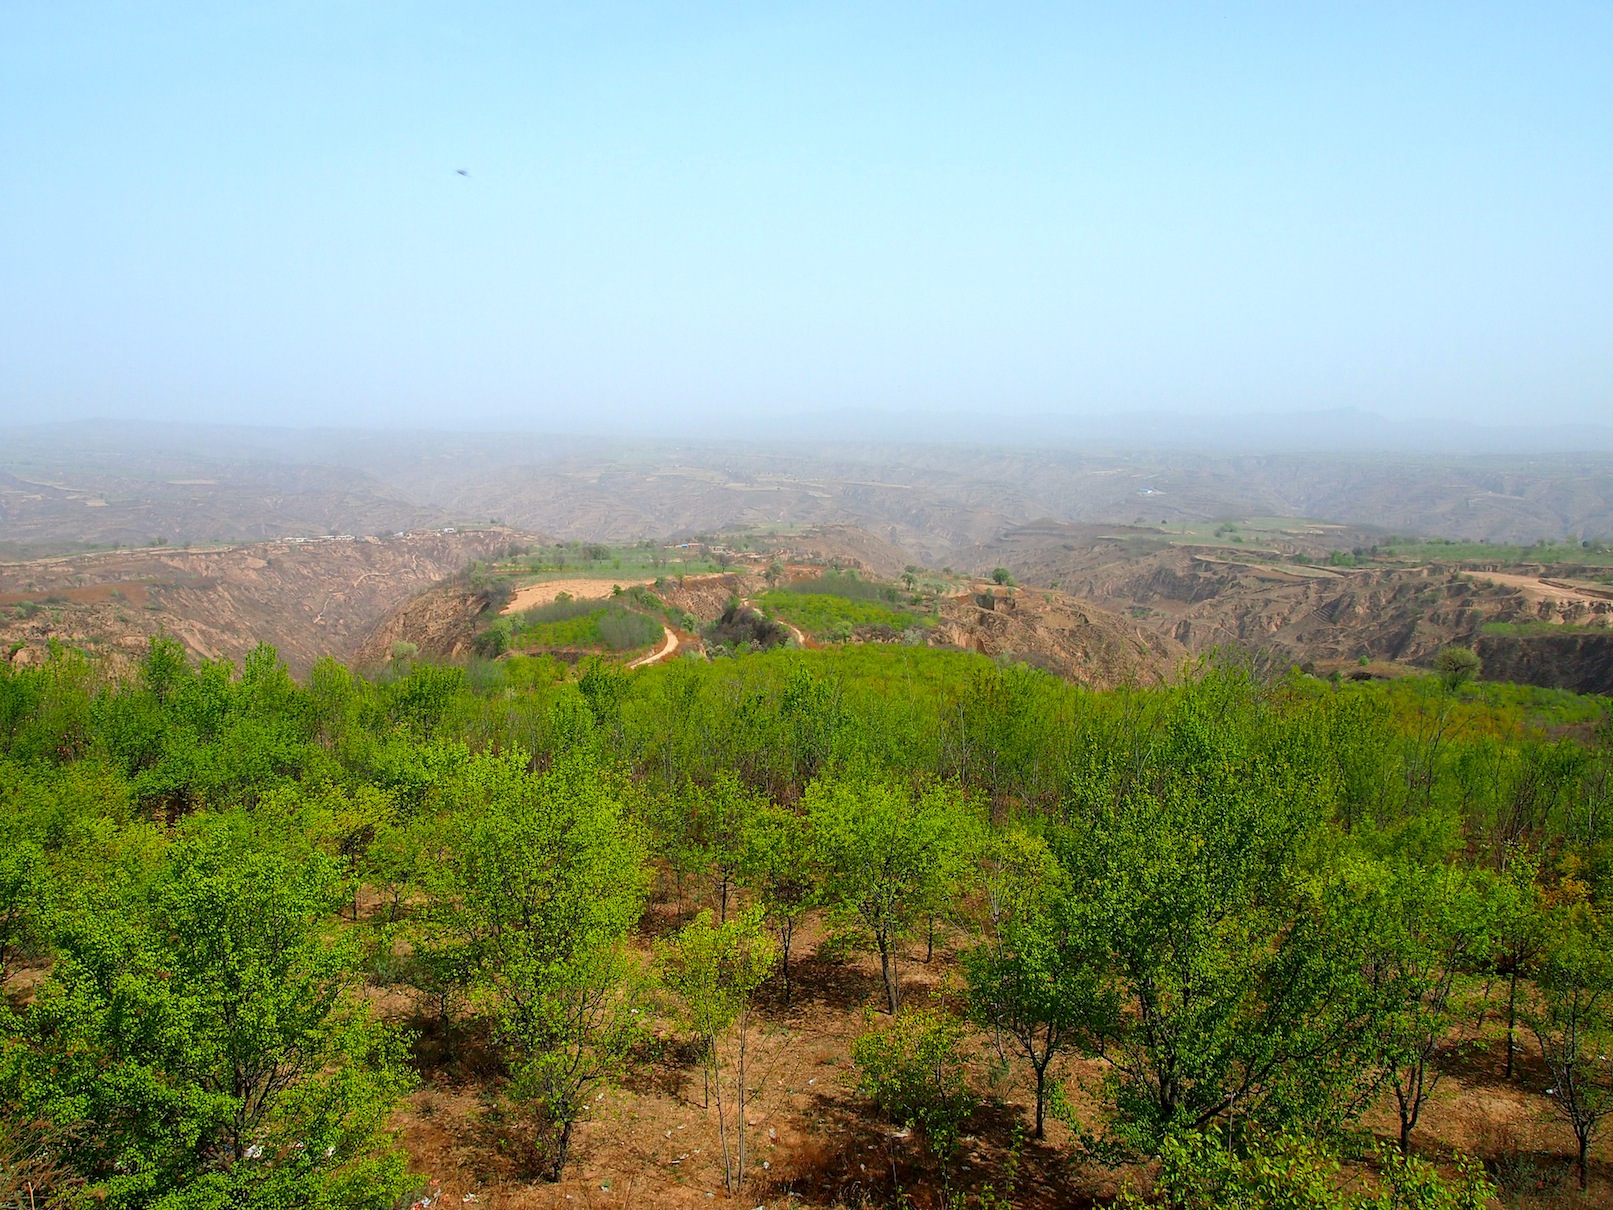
65 485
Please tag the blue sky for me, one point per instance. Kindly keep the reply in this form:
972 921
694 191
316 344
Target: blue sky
679 213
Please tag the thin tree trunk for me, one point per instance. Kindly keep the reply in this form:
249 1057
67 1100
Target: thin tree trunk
739 1125
785 936
1041 1099
722 1127
1484 1006
1512 1018
562 1144
887 968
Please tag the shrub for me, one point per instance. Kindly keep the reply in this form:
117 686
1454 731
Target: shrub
622 629
494 641
1285 1172
912 1069
1455 666
739 626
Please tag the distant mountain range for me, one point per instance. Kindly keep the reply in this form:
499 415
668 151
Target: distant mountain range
1344 430
934 493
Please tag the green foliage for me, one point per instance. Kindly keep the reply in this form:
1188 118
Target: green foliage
911 1066
835 615
1536 628
1429 924
776 863
1574 555
1455 666
197 1041
1035 975
1253 902
888 857
1290 1172
1237 963
609 625
538 883
1572 1019
715 969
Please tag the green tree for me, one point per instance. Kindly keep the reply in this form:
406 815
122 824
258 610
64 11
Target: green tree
1518 934
1034 976
777 866
198 1043
1238 966
1430 921
540 879
912 1068
721 813
1455 667
884 852
1572 1018
715 969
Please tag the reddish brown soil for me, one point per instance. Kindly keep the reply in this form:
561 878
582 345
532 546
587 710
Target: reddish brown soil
653 1141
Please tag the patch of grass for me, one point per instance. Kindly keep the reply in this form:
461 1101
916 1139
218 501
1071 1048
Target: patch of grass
641 560
823 613
1527 629
1446 550
591 625
846 584
1242 531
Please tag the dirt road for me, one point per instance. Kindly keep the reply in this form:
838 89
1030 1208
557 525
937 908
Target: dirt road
669 645
1538 588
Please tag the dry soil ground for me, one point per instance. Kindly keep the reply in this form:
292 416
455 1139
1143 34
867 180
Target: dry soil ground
818 1143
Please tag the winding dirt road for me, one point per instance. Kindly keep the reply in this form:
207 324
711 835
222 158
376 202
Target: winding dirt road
669 644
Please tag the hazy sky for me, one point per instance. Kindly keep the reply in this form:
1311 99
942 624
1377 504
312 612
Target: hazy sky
253 211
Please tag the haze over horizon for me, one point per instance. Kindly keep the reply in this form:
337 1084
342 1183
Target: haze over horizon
694 217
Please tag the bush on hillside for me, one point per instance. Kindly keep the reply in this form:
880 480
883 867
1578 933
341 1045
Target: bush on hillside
742 628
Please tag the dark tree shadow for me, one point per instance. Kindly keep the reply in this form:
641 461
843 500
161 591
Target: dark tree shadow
853 1157
820 983
665 1066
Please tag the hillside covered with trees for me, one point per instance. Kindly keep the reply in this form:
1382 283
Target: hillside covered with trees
1229 941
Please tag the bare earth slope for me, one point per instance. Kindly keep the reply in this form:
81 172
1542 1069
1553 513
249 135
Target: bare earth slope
307 598
1204 597
1073 639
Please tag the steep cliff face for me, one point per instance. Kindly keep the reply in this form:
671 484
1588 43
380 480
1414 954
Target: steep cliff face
440 622
1578 661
